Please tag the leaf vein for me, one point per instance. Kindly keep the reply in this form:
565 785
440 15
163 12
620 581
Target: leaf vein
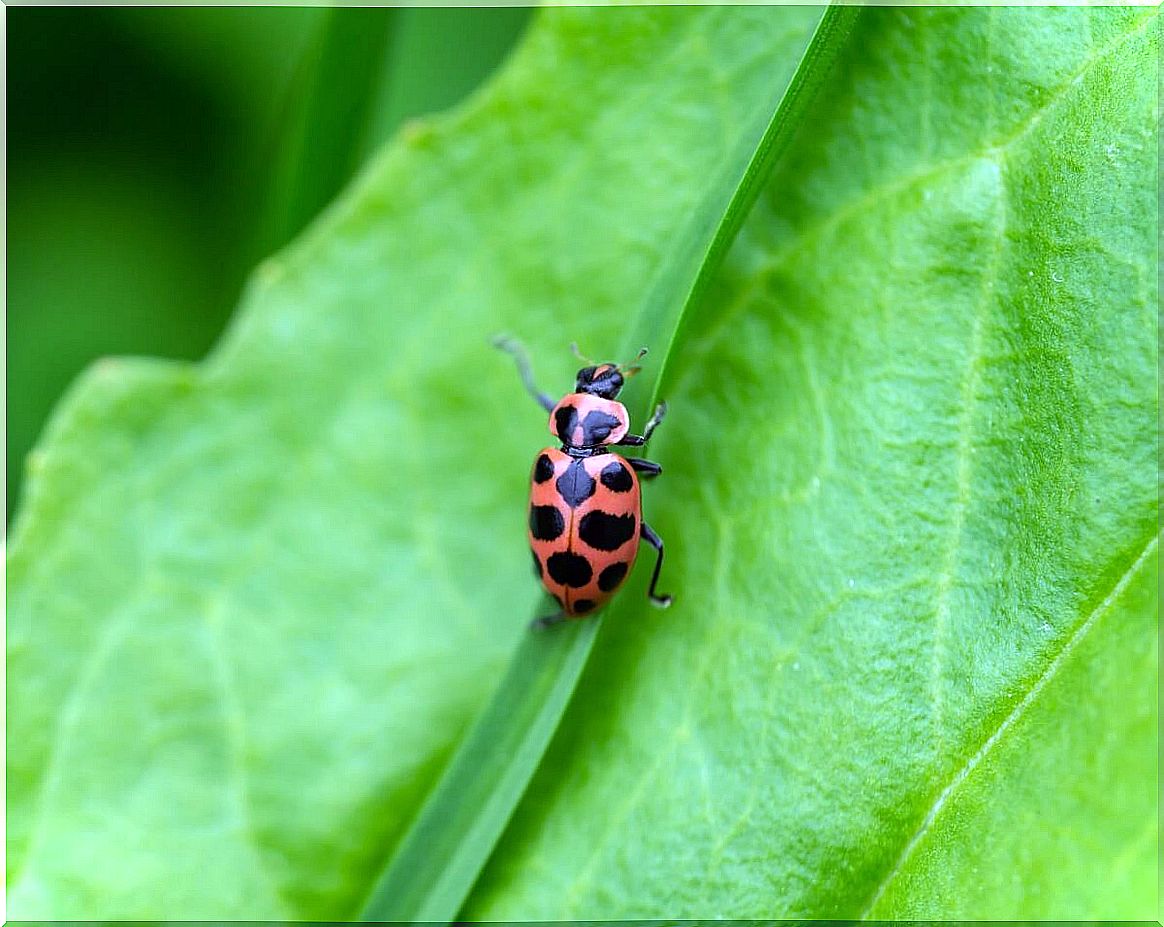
235 735
887 190
66 721
1020 708
966 404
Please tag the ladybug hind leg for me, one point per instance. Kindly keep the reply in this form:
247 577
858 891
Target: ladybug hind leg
648 535
548 621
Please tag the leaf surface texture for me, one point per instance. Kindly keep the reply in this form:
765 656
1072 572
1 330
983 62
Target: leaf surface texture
910 504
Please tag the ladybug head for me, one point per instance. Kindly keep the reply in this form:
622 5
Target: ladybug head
605 380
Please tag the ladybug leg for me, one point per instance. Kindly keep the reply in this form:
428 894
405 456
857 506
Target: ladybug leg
548 621
648 468
652 424
514 349
654 420
656 542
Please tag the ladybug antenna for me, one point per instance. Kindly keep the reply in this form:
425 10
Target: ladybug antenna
629 370
578 354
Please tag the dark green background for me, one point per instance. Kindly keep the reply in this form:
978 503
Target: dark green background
155 155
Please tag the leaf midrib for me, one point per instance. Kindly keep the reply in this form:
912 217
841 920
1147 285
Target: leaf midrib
998 734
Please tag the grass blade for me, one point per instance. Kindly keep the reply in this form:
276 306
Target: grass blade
455 831
330 117
738 191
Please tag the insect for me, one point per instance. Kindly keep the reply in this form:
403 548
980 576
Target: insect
585 508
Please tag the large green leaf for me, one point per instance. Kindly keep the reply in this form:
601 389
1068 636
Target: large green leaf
910 501
253 603
910 506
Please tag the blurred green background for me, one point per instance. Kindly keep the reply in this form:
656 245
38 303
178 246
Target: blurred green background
156 155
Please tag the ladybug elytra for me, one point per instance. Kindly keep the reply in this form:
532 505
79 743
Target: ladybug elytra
585 509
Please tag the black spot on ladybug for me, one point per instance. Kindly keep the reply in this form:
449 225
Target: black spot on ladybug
597 426
569 569
609 578
582 606
564 421
575 484
543 469
616 477
546 522
604 531
538 563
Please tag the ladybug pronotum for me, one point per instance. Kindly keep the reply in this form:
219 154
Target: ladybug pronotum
585 507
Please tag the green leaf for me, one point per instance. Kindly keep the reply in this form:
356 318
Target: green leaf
444 851
292 573
1103 680
910 504
910 507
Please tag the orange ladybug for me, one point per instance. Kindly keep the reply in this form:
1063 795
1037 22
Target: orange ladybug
585 509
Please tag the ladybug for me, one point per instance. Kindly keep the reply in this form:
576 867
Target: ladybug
585 507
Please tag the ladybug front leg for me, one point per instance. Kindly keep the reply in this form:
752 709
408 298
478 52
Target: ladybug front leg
652 424
656 542
654 421
514 348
